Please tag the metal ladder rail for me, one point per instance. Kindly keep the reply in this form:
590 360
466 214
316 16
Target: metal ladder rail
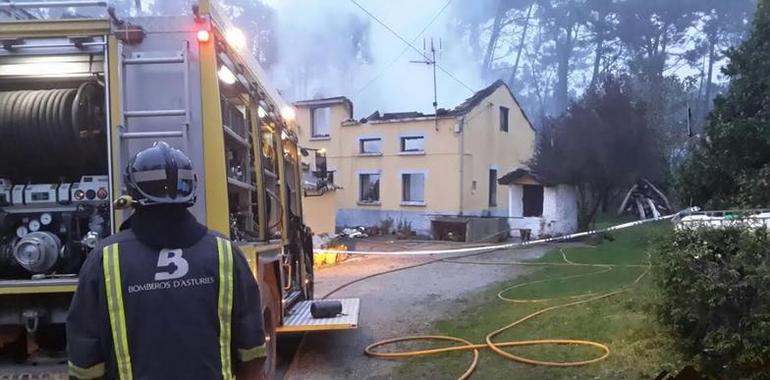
126 115
20 10
51 4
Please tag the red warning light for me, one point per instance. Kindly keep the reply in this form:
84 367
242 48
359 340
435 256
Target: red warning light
102 193
204 35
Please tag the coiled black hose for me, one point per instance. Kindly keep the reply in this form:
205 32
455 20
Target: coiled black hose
50 134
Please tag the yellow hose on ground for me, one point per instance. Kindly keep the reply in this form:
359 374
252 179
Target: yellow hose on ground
497 347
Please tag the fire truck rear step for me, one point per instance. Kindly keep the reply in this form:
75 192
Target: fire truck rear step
299 318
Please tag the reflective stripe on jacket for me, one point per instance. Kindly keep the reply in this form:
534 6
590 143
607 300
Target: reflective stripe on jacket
172 313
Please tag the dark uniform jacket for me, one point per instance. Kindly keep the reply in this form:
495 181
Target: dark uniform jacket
185 311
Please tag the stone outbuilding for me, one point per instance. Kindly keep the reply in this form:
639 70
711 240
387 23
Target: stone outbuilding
538 207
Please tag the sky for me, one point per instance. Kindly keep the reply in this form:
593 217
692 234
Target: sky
312 42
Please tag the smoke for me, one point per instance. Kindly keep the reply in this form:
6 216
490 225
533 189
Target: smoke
333 48
326 48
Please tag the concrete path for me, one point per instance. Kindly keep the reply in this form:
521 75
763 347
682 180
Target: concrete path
402 303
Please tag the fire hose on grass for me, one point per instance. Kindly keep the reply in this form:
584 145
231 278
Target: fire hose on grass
498 347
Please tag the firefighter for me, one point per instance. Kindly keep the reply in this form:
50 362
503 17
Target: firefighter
165 298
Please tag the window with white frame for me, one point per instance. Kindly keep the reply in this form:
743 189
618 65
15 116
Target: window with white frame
413 187
321 121
371 145
369 187
413 144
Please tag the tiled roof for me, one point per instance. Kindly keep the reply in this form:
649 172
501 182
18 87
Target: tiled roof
511 177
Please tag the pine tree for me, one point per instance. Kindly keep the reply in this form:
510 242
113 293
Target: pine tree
730 167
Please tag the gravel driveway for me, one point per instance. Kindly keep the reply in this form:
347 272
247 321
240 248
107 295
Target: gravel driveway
401 303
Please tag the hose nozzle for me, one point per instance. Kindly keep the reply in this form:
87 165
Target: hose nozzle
124 202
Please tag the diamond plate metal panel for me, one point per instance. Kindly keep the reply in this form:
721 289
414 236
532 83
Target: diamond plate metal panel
300 318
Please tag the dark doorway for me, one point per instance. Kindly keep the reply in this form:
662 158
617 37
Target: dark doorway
533 200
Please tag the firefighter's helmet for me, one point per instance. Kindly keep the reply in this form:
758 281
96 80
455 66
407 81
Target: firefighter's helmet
161 175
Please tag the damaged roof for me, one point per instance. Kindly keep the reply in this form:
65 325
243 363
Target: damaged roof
376 116
478 96
460 110
310 103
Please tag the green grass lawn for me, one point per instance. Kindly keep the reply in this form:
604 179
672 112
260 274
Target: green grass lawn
625 323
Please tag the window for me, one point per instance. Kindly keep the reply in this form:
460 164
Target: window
413 144
413 187
492 187
504 119
369 188
533 200
370 145
321 121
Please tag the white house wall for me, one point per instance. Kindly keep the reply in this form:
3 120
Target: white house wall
559 212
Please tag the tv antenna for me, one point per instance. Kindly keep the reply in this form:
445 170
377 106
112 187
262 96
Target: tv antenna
429 55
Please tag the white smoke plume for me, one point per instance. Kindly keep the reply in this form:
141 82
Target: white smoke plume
331 48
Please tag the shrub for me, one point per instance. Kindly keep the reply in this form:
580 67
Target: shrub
405 230
715 288
386 226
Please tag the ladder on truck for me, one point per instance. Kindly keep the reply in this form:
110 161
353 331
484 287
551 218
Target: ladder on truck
142 59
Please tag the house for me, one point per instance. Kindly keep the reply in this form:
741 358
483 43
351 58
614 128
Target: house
422 169
539 207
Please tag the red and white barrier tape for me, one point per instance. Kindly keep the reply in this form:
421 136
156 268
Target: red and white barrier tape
512 245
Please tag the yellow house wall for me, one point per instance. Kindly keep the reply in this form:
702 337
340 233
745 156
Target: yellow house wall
486 146
439 164
319 211
342 151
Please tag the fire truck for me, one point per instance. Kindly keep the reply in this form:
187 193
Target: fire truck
80 95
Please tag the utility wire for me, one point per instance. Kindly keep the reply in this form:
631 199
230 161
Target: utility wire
445 71
406 48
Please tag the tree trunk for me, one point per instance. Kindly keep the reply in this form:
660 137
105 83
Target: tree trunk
521 45
597 59
709 77
561 95
590 200
698 111
490 52
662 54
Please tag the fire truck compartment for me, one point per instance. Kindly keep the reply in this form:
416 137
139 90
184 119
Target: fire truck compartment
54 162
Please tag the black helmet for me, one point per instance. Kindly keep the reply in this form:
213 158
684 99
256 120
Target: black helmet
161 175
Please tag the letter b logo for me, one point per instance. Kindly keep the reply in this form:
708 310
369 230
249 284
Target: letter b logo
176 266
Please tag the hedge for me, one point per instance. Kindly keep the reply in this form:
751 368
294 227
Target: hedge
715 297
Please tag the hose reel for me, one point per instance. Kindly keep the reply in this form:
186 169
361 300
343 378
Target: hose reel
52 133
